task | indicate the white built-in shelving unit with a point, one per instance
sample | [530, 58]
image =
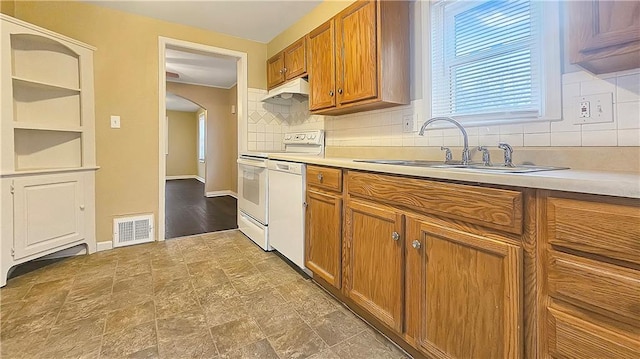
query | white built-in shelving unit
[47, 144]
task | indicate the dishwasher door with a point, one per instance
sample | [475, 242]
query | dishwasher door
[286, 209]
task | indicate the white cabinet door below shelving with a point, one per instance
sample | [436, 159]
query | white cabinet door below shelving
[48, 213]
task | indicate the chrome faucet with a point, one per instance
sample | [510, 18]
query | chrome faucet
[465, 150]
[508, 154]
[486, 156]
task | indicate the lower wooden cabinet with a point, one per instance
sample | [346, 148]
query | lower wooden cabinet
[374, 264]
[323, 240]
[466, 293]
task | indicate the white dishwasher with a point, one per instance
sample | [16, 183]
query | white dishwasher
[286, 209]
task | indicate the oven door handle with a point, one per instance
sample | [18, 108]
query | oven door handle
[252, 163]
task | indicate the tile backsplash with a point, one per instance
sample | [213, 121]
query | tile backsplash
[268, 122]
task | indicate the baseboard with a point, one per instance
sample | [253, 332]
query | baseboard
[222, 193]
[104, 246]
[169, 178]
[200, 179]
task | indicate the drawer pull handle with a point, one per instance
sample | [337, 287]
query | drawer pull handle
[416, 244]
[320, 177]
[395, 236]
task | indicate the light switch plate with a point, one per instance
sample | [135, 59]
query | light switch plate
[115, 121]
[596, 108]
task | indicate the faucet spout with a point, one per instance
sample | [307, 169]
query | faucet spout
[465, 150]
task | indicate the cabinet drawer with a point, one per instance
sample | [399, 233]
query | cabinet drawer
[605, 229]
[597, 285]
[494, 208]
[324, 177]
[571, 337]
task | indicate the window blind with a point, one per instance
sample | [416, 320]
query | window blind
[485, 59]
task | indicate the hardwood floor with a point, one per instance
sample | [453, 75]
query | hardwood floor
[189, 212]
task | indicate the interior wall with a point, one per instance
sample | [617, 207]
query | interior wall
[202, 165]
[321, 13]
[183, 143]
[126, 84]
[7, 7]
[233, 122]
[222, 134]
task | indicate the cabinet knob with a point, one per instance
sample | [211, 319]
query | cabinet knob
[281, 70]
[305, 204]
[331, 93]
[82, 207]
[395, 236]
[285, 69]
[340, 91]
[320, 177]
[416, 244]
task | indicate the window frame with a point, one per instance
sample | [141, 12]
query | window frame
[550, 63]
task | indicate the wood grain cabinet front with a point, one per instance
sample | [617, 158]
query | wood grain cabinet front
[359, 60]
[604, 35]
[374, 262]
[288, 64]
[590, 279]
[323, 240]
[464, 293]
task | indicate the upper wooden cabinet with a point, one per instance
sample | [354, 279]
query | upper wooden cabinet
[287, 64]
[359, 60]
[604, 36]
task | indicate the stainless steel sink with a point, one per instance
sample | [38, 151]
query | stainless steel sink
[470, 167]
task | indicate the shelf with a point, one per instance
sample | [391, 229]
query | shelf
[40, 103]
[47, 171]
[42, 85]
[45, 60]
[37, 149]
[45, 127]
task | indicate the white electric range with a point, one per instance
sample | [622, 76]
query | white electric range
[271, 195]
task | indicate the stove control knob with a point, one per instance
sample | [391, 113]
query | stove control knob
[302, 136]
[287, 137]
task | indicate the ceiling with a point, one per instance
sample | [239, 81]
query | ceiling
[257, 20]
[201, 69]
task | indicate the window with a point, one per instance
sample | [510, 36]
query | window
[201, 137]
[495, 61]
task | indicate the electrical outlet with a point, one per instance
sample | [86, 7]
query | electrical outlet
[596, 108]
[409, 123]
[115, 121]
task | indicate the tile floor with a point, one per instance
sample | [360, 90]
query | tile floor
[210, 296]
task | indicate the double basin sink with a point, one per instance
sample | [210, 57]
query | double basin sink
[472, 166]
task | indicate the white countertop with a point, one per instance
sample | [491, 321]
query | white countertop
[621, 184]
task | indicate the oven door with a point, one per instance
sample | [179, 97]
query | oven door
[252, 188]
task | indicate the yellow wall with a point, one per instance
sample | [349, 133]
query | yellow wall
[222, 134]
[126, 84]
[316, 17]
[7, 7]
[183, 143]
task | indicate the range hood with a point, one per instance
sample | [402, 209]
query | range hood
[282, 95]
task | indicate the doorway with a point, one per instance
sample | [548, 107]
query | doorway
[239, 109]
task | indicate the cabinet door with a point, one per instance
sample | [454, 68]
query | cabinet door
[322, 67]
[295, 59]
[48, 213]
[323, 247]
[357, 53]
[471, 295]
[275, 70]
[374, 261]
[604, 30]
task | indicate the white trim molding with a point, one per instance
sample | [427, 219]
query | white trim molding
[104, 246]
[180, 177]
[222, 193]
[242, 82]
